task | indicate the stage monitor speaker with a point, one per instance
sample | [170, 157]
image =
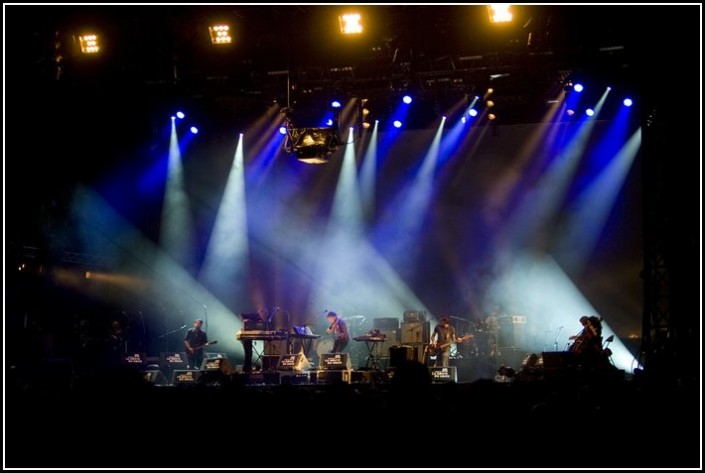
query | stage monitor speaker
[173, 360]
[335, 361]
[217, 364]
[185, 377]
[385, 323]
[292, 362]
[416, 332]
[443, 374]
[155, 377]
[136, 360]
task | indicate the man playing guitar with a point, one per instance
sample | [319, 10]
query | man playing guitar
[442, 338]
[194, 341]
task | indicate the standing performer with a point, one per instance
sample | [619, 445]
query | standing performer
[339, 329]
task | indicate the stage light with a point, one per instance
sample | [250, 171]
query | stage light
[499, 13]
[89, 44]
[397, 124]
[472, 112]
[463, 119]
[194, 130]
[335, 104]
[220, 34]
[329, 122]
[282, 130]
[570, 112]
[578, 87]
[312, 145]
[490, 104]
[407, 99]
[492, 116]
[180, 115]
[350, 23]
[628, 102]
[589, 112]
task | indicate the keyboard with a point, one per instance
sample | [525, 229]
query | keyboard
[261, 335]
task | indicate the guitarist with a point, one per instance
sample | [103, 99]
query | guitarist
[194, 341]
[442, 338]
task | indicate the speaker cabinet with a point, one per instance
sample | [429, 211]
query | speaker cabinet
[415, 332]
[385, 323]
[400, 355]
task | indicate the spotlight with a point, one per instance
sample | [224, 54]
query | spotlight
[350, 23]
[463, 119]
[397, 124]
[89, 44]
[329, 122]
[220, 34]
[628, 102]
[180, 115]
[335, 104]
[578, 87]
[472, 112]
[282, 130]
[570, 112]
[194, 130]
[499, 13]
[491, 116]
[589, 112]
[490, 104]
[407, 99]
[312, 145]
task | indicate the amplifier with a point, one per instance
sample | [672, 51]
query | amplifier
[331, 376]
[335, 361]
[443, 374]
[416, 332]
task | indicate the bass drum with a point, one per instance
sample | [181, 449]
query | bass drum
[323, 347]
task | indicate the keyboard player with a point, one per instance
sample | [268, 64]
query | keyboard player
[255, 321]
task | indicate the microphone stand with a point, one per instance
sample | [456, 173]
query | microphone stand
[555, 343]
[165, 336]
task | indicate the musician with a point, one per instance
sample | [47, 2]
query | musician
[588, 343]
[117, 343]
[194, 341]
[442, 338]
[339, 329]
[247, 345]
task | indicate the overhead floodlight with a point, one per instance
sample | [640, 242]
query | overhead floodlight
[350, 23]
[194, 130]
[628, 102]
[578, 87]
[472, 112]
[589, 112]
[500, 12]
[89, 44]
[397, 124]
[335, 104]
[312, 145]
[180, 115]
[407, 99]
[492, 116]
[220, 34]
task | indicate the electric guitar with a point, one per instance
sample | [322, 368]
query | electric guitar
[435, 349]
[198, 347]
